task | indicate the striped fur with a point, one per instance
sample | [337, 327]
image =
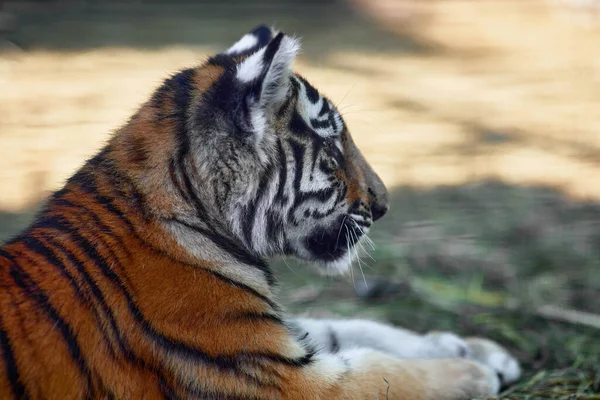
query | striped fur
[145, 276]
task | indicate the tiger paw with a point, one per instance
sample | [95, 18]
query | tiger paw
[447, 345]
[496, 358]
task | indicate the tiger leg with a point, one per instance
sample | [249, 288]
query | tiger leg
[369, 374]
[337, 335]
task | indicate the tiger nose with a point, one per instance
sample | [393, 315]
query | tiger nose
[378, 210]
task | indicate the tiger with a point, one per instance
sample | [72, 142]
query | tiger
[146, 276]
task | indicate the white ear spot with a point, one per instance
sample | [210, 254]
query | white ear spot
[247, 42]
[251, 68]
[274, 85]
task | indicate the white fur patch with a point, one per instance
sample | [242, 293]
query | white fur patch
[327, 368]
[204, 249]
[246, 42]
[310, 111]
[251, 68]
[506, 365]
[259, 122]
[340, 266]
[276, 82]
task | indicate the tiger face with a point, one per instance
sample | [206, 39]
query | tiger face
[265, 159]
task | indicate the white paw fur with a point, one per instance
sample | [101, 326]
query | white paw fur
[447, 345]
[495, 357]
[500, 366]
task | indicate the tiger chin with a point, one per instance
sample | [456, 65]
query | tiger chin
[146, 275]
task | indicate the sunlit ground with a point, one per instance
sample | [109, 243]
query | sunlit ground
[441, 93]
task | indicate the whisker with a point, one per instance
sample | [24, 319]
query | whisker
[367, 238]
[354, 237]
[338, 236]
[290, 268]
[349, 252]
[360, 267]
[347, 92]
[365, 251]
[370, 242]
[361, 245]
[350, 105]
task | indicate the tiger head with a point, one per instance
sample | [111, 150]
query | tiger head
[257, 157]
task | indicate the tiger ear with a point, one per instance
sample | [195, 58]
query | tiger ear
[252, 41]
[265, 74]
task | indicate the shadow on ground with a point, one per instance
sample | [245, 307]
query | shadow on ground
[75, 26]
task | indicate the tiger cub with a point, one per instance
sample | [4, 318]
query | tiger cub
[145, 277]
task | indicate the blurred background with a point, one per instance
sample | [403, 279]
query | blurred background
[482, 117]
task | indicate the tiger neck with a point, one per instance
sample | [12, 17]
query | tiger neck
[112, 208]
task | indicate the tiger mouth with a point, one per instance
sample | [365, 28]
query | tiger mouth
[332, 243]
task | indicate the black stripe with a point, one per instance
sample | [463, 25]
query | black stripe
[262, 34]
[251, 208]
[175, 181]
[324, 108]
[312, 93]
[59, 223]
[298, 127]
[88, 185]
[231, 247]
[292, 95]
[179, 88]
[334, 341]
[258, 316]
[35, 293]
[283, 172]
[169, 344]
[274, 227]
[224, 60]
[98, 226]
[317, 148]
[108, 204]
[242, 286]
[315, 123]
[111, 208]
[333, 123]
[267, 60]
[298, 152]
[10, 364]
[124, 347]
[167, 391]
[191, 193]
[323, 214]
[7, 255]
[321, 195]
[36, 246]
